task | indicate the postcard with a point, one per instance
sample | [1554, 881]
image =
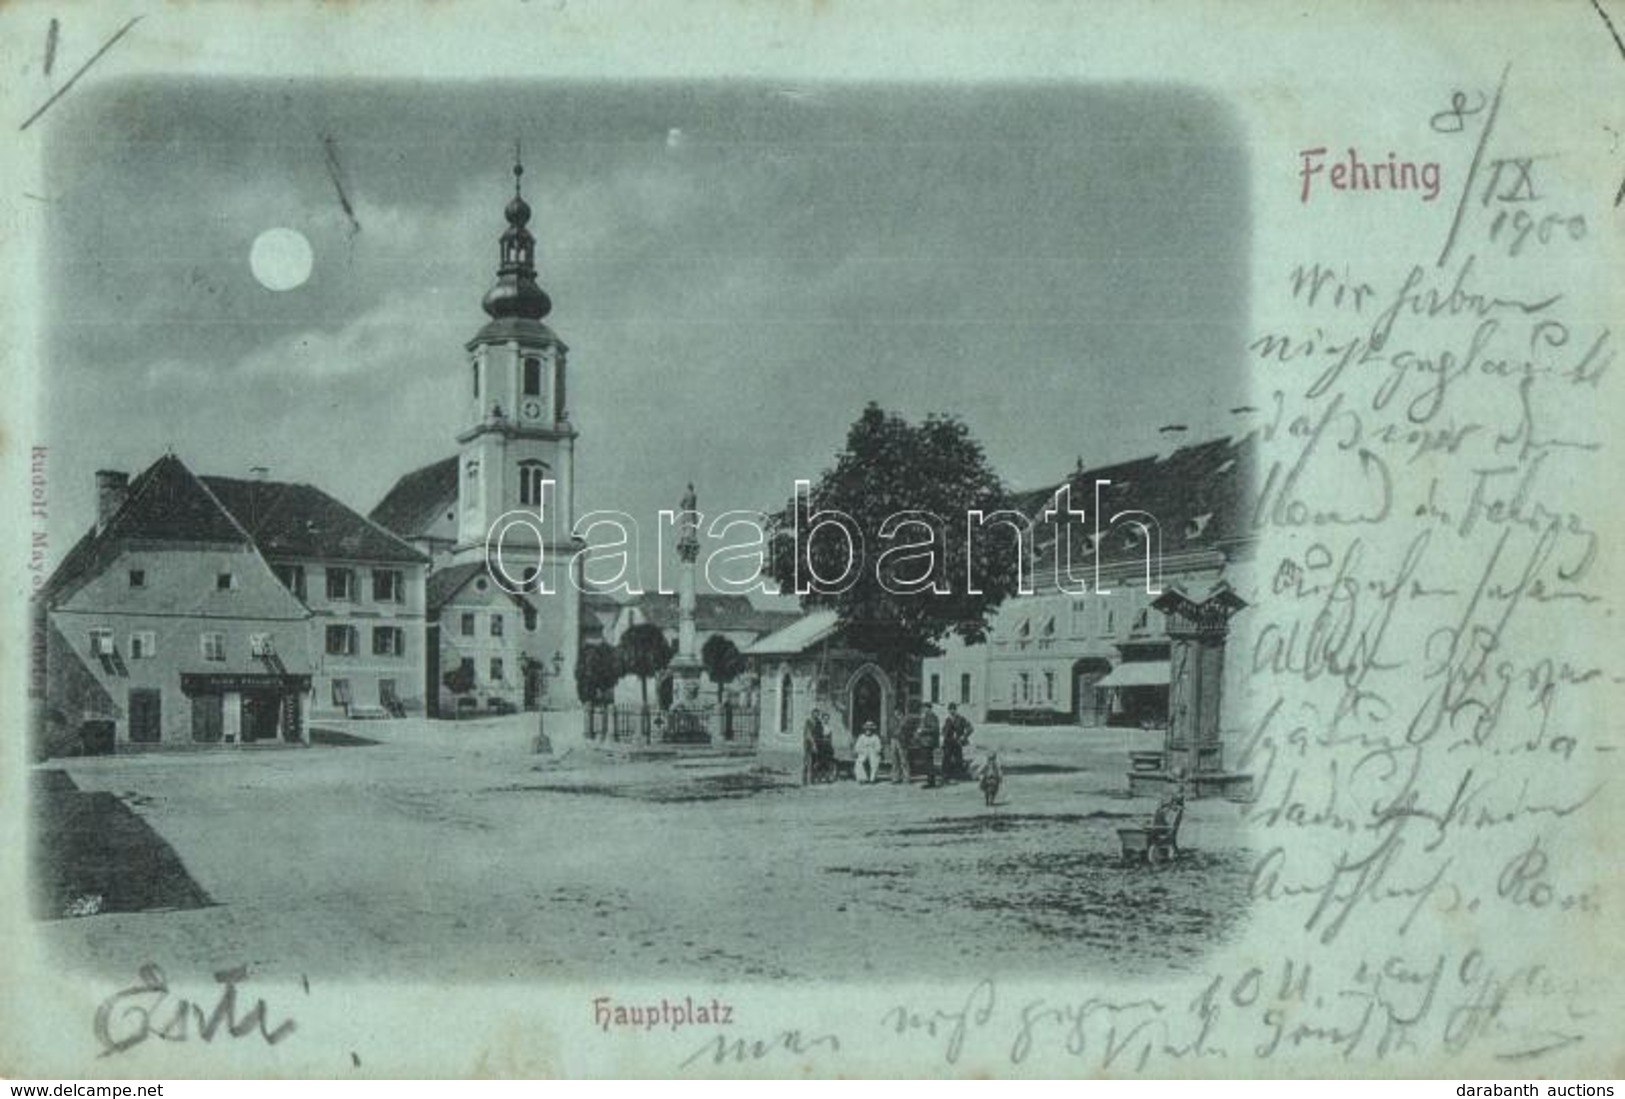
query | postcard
[812, 539]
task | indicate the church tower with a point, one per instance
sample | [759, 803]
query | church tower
[517, 449]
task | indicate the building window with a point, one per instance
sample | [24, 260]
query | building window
[224, 581]
[496, 669]
[101, 642]
[1049, 686]
[341, 692]
[786, 692]
[340, 585]
[292, 577]
[468, 624]
[496, 625]
[1142, 620]
[531, 475]
[936, 688]
[964, 687]
[143, 645]
[1108, 622]
[1080, 617]
[467, 666]
[138, 578]
[388, 641]
[214, 647]
[341, 640]
[260, 644]
[558, 387]
[530, 619]
[387, 586]
[533, 377]
[476, 366]
[1026, 680]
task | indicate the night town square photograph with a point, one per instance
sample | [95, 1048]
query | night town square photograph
[559, 530]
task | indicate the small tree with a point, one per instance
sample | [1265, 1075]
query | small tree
[889, 468]
[644, 652]
[598, 669]
[460, 680]
[723, 661]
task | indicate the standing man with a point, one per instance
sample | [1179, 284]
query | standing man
[956, 732]
[812, 749]
[930, 737]
[902, 739]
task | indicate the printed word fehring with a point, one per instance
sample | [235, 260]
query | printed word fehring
[1356, 174]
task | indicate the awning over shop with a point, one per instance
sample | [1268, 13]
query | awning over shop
[1138, 673]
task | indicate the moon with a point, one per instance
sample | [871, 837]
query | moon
[281, 259]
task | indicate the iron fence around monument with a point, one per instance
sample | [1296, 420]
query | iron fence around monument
[719, 726]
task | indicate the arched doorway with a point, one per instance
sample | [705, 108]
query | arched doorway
[868, 698]
[1089, 706]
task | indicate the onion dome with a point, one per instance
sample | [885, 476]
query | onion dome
[516, 293]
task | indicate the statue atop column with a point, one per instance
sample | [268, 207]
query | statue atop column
[688, 527]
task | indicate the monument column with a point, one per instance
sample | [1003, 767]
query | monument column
[685, 666]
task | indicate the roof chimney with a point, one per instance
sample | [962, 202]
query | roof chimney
[111, 487]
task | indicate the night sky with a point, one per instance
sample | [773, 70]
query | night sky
[736, 268]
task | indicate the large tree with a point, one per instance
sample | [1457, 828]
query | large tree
[723, 661]
[923, 569]
[598, 669]
[644, 652]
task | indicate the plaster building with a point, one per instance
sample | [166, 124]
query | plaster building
[477, 654]
[1103, 659]
[515, 458]
[186, 615]
[806, 665]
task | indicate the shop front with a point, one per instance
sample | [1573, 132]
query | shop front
[246, 707]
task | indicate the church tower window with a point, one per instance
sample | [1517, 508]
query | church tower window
[531, 475]
[476, 367]
[533, 377]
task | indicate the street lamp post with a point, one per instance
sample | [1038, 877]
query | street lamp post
[544, 746]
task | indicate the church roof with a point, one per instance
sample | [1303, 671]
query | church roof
[418, 499]
[299, 520]
[524, 330]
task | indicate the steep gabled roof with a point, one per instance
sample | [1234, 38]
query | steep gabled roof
[298, 520]
[1199, 496]
[418, 499]
[166, 503]
[444, 584]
